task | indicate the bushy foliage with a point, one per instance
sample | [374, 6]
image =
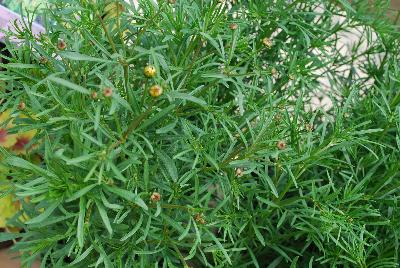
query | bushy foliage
[191, 134]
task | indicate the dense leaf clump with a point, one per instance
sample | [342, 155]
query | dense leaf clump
[200, 133]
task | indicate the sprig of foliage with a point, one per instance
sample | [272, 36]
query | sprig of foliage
[183, 134]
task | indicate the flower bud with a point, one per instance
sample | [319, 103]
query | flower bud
[155, 197]
[239, 172]
[43, 60]
[21, 105]
[267, 42]
[94, 95]
[281, 145]
[199, 218]
[274, 72]
[309, 127]
[233, 26]
[150, 71]
[103, 155]
[107, 92]
[61, 45]
[156, 91]
[278, 118]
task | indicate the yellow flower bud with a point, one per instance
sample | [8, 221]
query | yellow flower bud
[150, 71]
[267, 42]
[156, 91]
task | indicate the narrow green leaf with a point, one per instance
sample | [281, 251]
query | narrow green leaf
[44, 215]
[146, 174]
[20, 66]
[4, 236]
[187, 229]
[259, 235]
[185, 96]
[219, 245]
[122, 101]
[156, 117]
[82, 256]
[134, 230]
[104, 217]
[169, 165]
[97, 117]
[108, 204]
[212, 161]
[106, 259]
[22, 163]
[117, 173]
[81, 192]
[81, 57]
[347, 5]
[127, 195]
[282, 219]
[145, 232]
[270, 183]
[212, 41]
[79, 159]
[166, 128]
[68, 84]
[173, 223]
[294, 262]
[253, 258]
[268, 202]
[81, 222]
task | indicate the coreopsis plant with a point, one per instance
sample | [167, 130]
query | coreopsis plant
[205, 134]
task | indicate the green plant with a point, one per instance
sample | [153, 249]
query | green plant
[225, 162]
